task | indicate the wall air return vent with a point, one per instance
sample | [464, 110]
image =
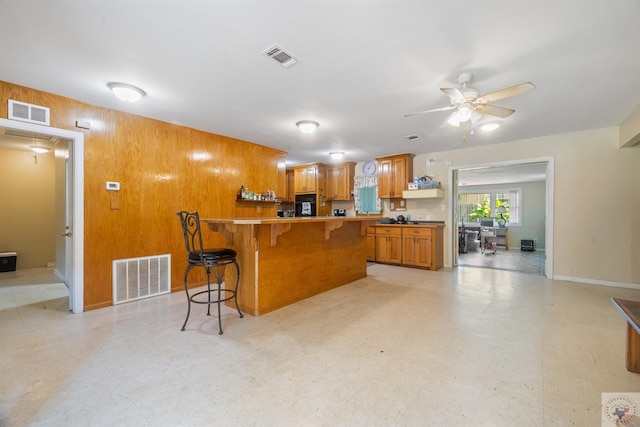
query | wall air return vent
[144, 277]
[278, 54]
[28, 112]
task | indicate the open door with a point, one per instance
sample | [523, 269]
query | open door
[72, 206]
[454, 218]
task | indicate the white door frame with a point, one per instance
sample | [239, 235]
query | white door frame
[75, 272]
[548, 232]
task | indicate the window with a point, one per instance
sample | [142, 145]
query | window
[473, 207]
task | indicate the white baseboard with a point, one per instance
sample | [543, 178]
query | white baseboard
[598, 282]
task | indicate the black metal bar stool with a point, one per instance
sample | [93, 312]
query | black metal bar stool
[215, 260]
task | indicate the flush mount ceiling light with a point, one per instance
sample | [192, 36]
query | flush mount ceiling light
[336, 155]
[490, 126]
[36, 149]
[307, 126]
[39, 150]
[126, 92]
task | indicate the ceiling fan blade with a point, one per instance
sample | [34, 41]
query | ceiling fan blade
[453, 93]
[431, 111]
[506, 93]
[493, 110]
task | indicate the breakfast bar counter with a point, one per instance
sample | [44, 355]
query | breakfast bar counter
[284, 260]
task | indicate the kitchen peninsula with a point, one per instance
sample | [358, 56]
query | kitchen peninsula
[284, 260]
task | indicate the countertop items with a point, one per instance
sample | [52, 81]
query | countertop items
[393, 221]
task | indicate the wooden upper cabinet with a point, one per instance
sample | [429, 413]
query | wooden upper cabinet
[394, 172]
[305, 179]
[291, 191]
[340, 181]
[281, 190]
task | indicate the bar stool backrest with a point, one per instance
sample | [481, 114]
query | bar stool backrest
[192, 235]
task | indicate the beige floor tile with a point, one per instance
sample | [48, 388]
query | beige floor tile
[401, 347]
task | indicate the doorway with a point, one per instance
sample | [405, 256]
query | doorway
[74, 201]
[527, 184]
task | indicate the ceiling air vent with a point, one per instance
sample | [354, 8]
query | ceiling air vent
[28, 112]
[278, 54]
[412, 137]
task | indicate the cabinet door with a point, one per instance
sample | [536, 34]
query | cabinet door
[389, 245]
[305, 179]
[393, 175]
[417, 247]
[332, 183]
[423, 251]
[395, 249]
[408, 250]
[371, 246]
[340, 183]
[291, 191]
[399, 173]
[385, 179]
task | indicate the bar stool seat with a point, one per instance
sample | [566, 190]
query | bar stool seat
[212, 255]
[213, 260]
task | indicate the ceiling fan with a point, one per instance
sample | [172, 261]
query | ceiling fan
[470, 105]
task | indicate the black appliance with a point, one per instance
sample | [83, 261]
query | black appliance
[306, 205]
[339, 212]
[527, 245]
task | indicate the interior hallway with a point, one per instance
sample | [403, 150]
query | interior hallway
[401, 347]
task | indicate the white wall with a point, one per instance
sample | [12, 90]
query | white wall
[596, 199]
[27, 207]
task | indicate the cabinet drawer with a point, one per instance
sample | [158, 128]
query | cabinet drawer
[416, 231]
[388, 231]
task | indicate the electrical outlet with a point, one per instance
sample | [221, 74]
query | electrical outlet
[535, 240]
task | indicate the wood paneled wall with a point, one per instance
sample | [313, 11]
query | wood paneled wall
[162, 168]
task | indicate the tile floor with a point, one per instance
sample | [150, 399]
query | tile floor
[401, 347]
[513, 259]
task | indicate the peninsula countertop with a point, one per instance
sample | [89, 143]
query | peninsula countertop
[292, 220]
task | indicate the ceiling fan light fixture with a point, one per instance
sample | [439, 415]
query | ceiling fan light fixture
[336, 155]
[307, 126]
[454, 119]
[126, 92]
[490, 126]
[464, 112]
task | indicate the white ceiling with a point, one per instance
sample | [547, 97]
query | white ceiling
[362, 65]
[511, 174]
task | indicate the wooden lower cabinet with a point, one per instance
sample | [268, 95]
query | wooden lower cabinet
[416, 247]
[371, 244]
[389, 245]
[411, 246]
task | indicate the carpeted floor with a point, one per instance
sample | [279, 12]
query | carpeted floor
[514, 260]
